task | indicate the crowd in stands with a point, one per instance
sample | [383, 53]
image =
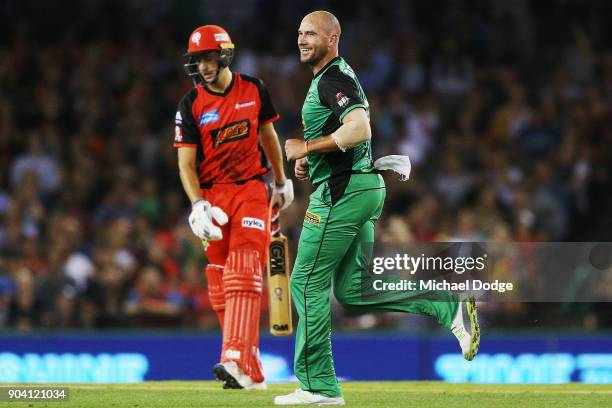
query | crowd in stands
[504, 108]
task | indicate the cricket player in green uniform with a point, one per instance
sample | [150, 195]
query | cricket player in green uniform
[336, 156]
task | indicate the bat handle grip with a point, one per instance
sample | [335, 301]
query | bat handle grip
[275, 221]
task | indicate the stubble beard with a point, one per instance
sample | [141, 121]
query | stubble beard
[315, 59]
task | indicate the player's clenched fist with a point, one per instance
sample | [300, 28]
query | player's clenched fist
[301, 169]
[295, 149]
[200, 220]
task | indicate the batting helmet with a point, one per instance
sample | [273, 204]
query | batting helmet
[205, 39]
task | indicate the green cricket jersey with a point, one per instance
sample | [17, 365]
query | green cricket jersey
[334, 92]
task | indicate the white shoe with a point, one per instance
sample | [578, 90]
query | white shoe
[234, 378]
[301, 397]
[465, 328]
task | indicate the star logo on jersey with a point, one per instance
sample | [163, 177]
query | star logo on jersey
[230, 133]
[342, 99]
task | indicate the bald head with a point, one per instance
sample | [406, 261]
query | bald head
[325, 20]
[318, 38]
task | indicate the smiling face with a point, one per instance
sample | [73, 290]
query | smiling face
[313, 42]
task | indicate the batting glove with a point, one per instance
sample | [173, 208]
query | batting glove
[201, 220]
[282, 195]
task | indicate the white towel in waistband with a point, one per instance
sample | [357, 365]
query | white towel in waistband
[397, 163]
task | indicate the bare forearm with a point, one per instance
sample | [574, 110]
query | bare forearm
[273, 152]
[321, 145]
[190, 182]
[355, 130]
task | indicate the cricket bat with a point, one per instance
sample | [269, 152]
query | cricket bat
[278, 280]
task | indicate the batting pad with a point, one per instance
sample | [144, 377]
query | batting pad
[243, 282]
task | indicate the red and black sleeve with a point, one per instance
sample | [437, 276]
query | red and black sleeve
[339, 92]
[186, 132]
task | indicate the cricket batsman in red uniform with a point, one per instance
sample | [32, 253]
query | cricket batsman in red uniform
[225, 139]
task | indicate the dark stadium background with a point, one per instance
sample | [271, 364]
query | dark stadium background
[505, 108]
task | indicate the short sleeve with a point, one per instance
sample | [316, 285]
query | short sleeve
[339, 92]
[186, 133]
[267, 113]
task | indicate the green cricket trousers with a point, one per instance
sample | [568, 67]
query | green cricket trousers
[330, 249]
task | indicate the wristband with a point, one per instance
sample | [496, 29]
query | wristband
[306, 146]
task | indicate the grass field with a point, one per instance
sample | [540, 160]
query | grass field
[357, 394]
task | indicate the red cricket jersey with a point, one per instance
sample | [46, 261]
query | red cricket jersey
[224, 128]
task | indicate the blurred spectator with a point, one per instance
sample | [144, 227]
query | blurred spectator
[152, 303]
[24, 308]
[102, 304]
[452, 73]
[57, 292]
[454, 182]
[35, 161]
[416, 132]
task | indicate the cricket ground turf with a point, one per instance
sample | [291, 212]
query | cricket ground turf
[357, 394]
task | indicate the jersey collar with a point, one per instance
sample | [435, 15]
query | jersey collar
[327, 66]
[227, 90]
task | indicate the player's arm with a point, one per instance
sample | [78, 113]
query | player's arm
[188, 172]
[340, 93]
[187, 143]
[355, 129]
[272, 150]
[282, 188]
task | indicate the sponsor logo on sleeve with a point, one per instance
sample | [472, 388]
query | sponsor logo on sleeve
[249, 222]
[342, 99]
[312, 218]
[178, 118]
[209, 117]
[230, 133]
[178, 134]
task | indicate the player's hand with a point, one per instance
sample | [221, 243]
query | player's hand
[282, 195]
[201, 220]
[301, 169]
[295, 149]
